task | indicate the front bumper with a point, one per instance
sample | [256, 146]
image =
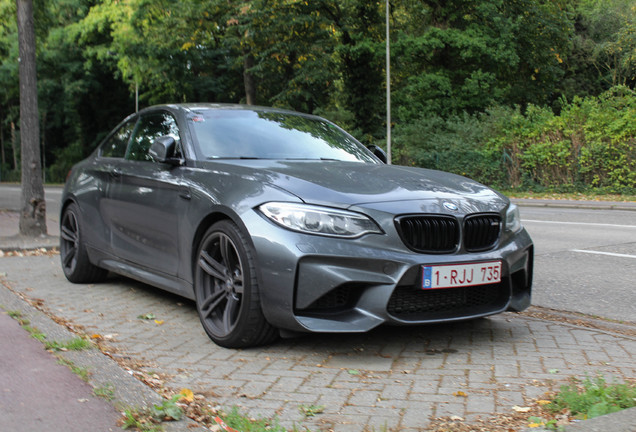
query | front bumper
[320, 284]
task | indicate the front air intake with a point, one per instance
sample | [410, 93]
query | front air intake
[481, 232]
[428, 233]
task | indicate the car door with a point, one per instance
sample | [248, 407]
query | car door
[94, 189]
[145, 200]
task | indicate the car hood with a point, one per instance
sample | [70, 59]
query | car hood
[351, 184]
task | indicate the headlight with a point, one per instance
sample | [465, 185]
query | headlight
[319, 220]
[513, 218]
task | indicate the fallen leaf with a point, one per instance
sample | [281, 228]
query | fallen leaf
[158, 322]
[187, 395]
[460, 394]
[521, 409]
[553, 371]
[147, 316]
[535, 425]
[96, 336]
[544, 402]
[353, 372]
[457, 418]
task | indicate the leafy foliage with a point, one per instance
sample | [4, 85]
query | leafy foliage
[593, 397]
[239, 421]
[508, 91]
[75, 344]
[150, 419]
[591, 144]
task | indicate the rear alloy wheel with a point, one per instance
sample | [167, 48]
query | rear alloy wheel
[226, 289]
[75, 263]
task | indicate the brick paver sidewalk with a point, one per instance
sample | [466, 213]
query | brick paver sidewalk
[394, 377]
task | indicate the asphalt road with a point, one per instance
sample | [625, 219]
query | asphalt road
[585, 260]
[10, 199]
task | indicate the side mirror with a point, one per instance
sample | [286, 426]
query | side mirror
[162, 150]
[378, 152]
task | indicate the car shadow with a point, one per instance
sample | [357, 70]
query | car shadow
[480, 335]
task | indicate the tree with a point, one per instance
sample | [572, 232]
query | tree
[33, 214]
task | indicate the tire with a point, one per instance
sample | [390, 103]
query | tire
[226, 289]
[75, 263]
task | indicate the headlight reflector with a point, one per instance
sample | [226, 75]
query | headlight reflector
[318, 220]
[513, 218]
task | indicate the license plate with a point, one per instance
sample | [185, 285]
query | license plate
[461, 275]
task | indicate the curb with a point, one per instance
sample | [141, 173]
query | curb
[20, 242]
[591, 205]
[128, 392]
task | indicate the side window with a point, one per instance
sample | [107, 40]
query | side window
[115, 146]
[149, 128]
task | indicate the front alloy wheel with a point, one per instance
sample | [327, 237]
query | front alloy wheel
[226, 289]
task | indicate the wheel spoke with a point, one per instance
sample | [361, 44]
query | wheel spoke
[69, 234]
[212, 302]
[229, 315]
[227, 252]
[212, 266]
[68, 258]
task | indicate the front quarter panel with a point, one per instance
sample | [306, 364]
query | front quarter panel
[216, 192]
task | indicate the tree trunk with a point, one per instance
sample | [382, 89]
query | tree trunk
[2, 145]
[248, 79]
[33, 214]
[14, 147]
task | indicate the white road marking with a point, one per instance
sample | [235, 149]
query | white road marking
[579, 223]
[604, 253]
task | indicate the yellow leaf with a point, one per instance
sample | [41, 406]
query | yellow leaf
[534, 425]
[187, 395]
[460, 394]
[96, 336]
[158, 322]
[544, 402]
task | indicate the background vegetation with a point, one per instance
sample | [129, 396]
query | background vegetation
[526, 94]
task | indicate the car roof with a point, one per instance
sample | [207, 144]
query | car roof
[204, 106]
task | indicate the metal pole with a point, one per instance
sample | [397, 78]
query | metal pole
[136, 96]
[388, 88]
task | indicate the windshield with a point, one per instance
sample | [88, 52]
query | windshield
[234, 134]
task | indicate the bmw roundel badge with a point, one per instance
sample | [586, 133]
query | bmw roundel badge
[450, 206]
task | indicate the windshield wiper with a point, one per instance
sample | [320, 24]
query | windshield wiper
[232, 157]
[313, 159]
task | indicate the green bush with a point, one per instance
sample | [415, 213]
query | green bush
[452, 145]
[590, 145]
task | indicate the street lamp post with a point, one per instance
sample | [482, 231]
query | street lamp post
[388, 88]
